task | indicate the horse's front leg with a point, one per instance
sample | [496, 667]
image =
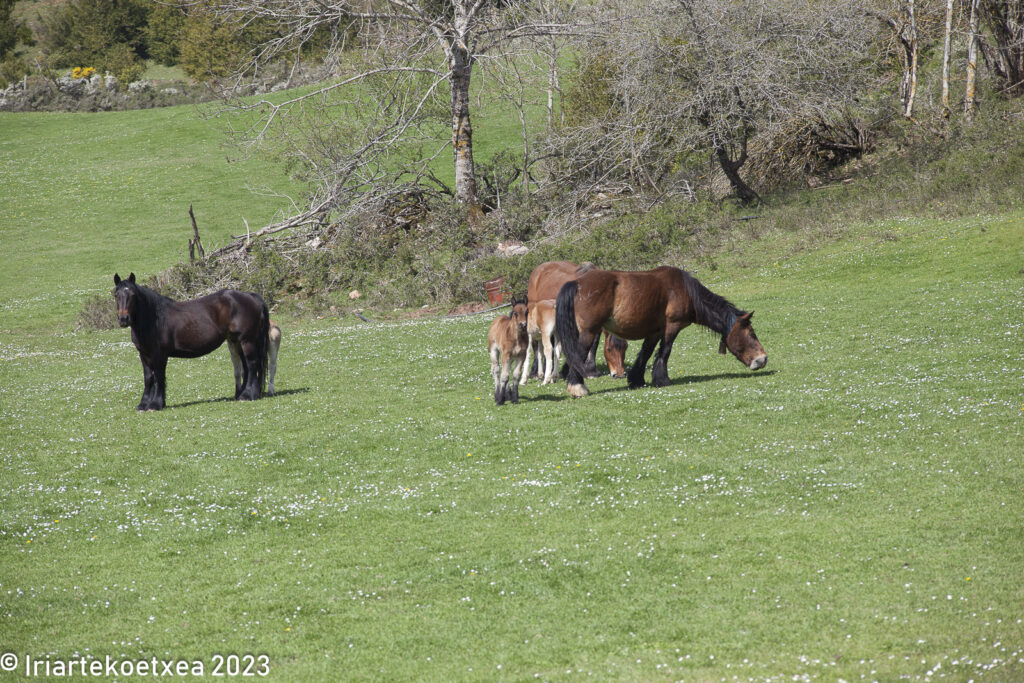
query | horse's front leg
[659, 371]
[504, 388]
[158, 395]
[529, 346]
[516, 372]
[635, 376]
[149, 385]
[499, 396]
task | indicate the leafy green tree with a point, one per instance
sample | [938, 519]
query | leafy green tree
[208, 49]
[105, 34]
[12, 31]
[164, 33]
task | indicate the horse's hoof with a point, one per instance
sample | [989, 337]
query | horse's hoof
[577, 390]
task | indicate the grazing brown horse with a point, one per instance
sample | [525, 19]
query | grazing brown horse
[541, 327]
[545, 282]
[163, 328]
[507, 340]
[652, 305]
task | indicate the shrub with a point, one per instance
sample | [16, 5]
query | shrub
[163, 34]
[107, 34]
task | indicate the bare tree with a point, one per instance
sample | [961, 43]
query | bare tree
[387, 96]
[970, 98]
[690, 78]
[947, 36]
[1005, 18]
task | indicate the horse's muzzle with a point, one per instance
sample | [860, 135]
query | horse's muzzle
[123, 321]
[759, 362]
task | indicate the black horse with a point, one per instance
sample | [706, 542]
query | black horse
[163, 328]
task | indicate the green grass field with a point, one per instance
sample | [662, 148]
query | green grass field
[853, 511]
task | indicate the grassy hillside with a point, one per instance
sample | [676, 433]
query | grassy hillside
[88, 194]
[852, 511]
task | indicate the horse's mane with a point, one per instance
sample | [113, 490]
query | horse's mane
[153, 303]
[711, 310]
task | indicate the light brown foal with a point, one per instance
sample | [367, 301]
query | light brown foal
[507, 341]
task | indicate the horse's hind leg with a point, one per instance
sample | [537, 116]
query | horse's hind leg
[274, 344]
[549, 361]
[574, 380]
[591, 364]
[236, 360]
[251, 385]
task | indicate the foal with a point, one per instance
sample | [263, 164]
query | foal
[507, 340]
[541, 326]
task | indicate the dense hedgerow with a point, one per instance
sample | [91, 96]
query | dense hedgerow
[445, 260]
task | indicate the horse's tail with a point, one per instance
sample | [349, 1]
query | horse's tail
[263, 344]
[565, 326]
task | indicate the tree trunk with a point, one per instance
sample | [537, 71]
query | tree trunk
[908, 109]
[731, 168]
[945, 59]
[462, 130]
[1006, 21]
[972, 62]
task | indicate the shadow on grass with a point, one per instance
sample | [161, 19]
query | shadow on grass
[231, 399]
[679, 381]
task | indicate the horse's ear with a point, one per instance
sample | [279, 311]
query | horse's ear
[721, 346]
[131, 278]
[117, 279]
[747, 316]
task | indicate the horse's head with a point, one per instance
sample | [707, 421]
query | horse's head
[126, 295]
[519, 315]
[742, 342]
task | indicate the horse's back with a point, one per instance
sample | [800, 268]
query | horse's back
[202, 324]
[629, 304]
[547, 278]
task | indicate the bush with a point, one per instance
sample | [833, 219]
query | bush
[163, 34]
[207, 50]
[106, 34]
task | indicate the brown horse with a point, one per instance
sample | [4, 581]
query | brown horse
[652, 305]
[163, 328]
[507, 340]
[545, 282]
[541, 327]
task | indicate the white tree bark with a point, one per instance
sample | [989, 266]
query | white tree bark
[970, 98]
[945, 58]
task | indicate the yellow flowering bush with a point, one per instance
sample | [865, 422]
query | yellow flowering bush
[82, 72]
